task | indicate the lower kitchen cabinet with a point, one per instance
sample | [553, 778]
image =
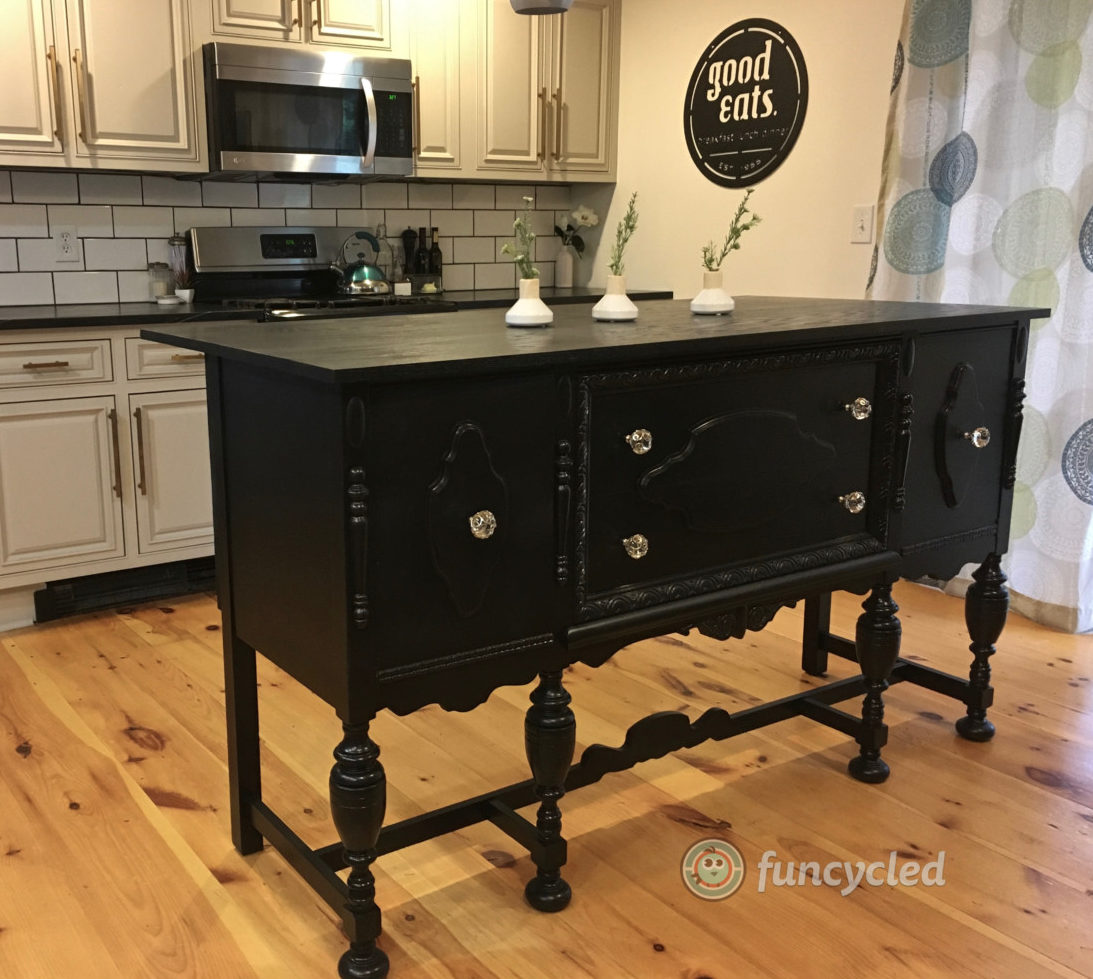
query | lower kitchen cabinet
[60, 489]
[170, 443]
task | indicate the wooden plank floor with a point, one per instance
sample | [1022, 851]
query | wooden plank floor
[115, 857]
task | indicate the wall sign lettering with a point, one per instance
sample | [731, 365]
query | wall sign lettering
[745, 103]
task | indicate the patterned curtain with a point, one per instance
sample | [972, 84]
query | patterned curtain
[987, 197]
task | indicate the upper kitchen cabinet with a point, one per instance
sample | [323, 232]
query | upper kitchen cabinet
[352, 23]
[503, 96]
[111, 85]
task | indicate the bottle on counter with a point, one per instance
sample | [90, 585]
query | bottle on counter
[436, 259]
[385, 258]
[159, 277]
[421, 259]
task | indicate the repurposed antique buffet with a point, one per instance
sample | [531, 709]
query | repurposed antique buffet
[418, 511]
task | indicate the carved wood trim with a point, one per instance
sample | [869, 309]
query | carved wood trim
[357, 494]
[734, 623]
[903, 448]
[961, 538]
[393, 673]
[1015, 417]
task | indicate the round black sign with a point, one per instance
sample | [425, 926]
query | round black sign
[745, 103]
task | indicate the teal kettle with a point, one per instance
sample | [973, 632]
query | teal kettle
[360, 278]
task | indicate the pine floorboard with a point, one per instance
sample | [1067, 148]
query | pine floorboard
[116, 858]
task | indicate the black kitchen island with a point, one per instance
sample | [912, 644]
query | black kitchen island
[437, 506]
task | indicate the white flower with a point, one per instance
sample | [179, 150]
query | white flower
[585, 217]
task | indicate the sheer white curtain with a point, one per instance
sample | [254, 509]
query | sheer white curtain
[987, 197]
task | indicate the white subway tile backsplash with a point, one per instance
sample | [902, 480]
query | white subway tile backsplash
[110, 188]
[399, 219]
[158, 250]
[494, 222]
[495, 276]
[336, 195]
[546, 273]
[547, 248]
[169, 192]
[144, 222]
[216, 193]
[26, 289]
[472, 250]
[554, 197]
[471, 196]
[384, 195]
[284, 195]
[430, 195]
[85, 287]
[311, 216]
[134, 287]
[5, 187]
[23, 220]
[512, 195]
[9, 255]
[44, 187]
[40, 255]
[362, 218]
[202, 217]
[452, 223]
[542, 222]
[89, 220]
[115, 253]
[458, 277]
[258, 216]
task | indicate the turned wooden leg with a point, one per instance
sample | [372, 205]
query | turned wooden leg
[358, 798]
[985, 608]
[877, 642]
[244, 767]
[550, 734]
[816, 629]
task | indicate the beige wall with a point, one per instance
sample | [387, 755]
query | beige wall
[803, 245]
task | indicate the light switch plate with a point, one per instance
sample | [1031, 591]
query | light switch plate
[861, 227]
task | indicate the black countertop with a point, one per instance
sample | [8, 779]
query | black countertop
[473, 342]
[128, 314]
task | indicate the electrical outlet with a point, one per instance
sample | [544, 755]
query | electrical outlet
[861, 226]
[66, 245]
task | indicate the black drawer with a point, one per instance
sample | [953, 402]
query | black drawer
[749, 459]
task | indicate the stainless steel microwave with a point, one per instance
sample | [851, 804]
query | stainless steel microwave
[271, 110]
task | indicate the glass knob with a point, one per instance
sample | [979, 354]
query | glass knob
[980, 437]
[640, 440]
[483, 524]
[637, 546]
[859, 409]
[854, 502]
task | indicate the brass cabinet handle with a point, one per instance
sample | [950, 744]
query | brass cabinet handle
[113, 416]
[483, 524]
[541, 155]
[81, 95]
[640, 441]
[186, 358]
[296, 19]
[980, 437]
[859, 409]
[416, 126]
[557, 99]
[140, 453]
[316, 14]
[637, 546]
[42, 365]
[853, 502]
[55, 88]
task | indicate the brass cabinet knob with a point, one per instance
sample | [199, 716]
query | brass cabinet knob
[980, 438]
[640, 441]
[637, 546]
[483, 524]
[854, 502]
[859, 409]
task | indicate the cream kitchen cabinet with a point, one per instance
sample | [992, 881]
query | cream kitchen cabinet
[99, 84]
[509, 97]
[104, 458]
[353, 23]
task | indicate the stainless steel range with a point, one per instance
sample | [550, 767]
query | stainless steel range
[289, 274]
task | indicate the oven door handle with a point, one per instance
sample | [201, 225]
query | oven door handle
[369, 157]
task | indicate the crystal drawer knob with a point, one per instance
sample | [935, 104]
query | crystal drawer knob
[980, 438]
[859, 409]
[483, 524]
[640, 441]
[637, 546]
[854, 502]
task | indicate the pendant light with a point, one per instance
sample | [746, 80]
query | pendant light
[541, 6]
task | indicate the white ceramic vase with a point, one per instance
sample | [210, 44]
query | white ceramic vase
[713, 299]
[529, 309]
[615, 306]
[186, 295]
[563, 268]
